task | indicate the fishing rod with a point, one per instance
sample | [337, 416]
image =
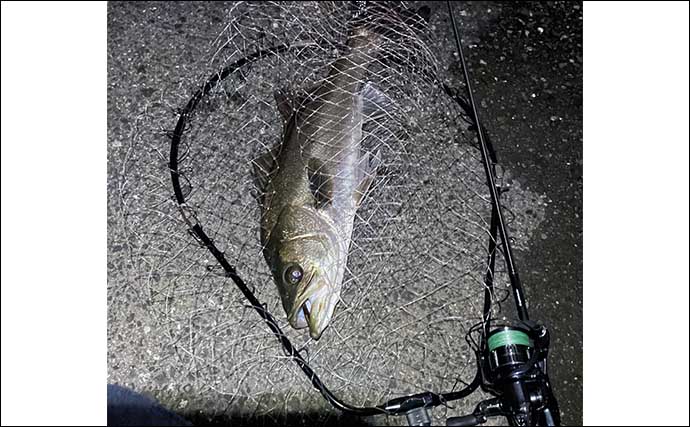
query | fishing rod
[515, 283]
[513, 357]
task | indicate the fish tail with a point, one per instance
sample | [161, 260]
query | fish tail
[374, 23]
[364, 38]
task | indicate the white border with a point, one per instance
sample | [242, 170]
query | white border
[636, 213]
[53, 213]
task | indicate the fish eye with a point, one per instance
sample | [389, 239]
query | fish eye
[293, 274]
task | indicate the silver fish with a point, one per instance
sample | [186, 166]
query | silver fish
[313, 183]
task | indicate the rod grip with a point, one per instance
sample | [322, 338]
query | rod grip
[466, 420]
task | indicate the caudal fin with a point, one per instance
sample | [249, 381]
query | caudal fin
[388, 20]
[388, 31]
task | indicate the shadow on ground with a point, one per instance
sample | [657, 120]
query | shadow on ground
[292, 419]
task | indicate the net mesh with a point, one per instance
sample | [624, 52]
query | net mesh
[413, 286]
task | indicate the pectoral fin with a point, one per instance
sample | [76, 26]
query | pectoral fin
[375, 104]
[367, 172]
[320, 183]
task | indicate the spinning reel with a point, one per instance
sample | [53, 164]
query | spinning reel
[514, 369]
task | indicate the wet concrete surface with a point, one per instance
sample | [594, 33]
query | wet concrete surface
[526, 62]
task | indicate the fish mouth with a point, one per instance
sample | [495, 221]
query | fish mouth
[313, 310]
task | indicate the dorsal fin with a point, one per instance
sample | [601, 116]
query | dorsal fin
[284, 103]
[263, 167]
[289, 101]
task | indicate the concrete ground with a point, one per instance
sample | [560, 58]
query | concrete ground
[175, 334]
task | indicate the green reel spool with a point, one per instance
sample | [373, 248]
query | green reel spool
[506, 337]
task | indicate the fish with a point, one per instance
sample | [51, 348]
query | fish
[312, 183]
